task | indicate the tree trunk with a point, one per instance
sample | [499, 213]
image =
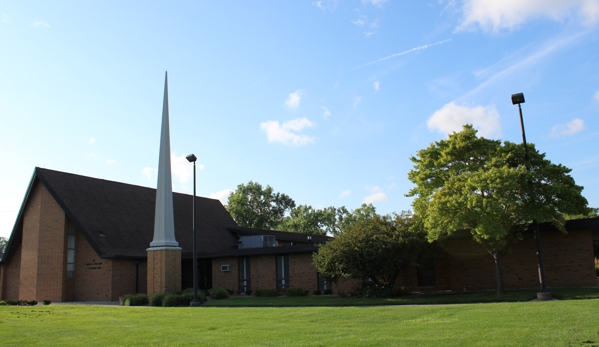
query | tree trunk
[498, 272]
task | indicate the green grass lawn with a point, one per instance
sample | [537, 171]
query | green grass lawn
[414, 299]
[553, 323]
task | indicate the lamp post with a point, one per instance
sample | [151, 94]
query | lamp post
[194, 302]
[518, 99]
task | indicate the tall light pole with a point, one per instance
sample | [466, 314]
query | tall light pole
[518, 99]
[194, 302]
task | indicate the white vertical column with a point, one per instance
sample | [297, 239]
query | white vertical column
[164, 222]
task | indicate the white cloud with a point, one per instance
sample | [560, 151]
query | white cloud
[5, 18]
[222, 195]
[293, 101]
[286, 133]
[110, 161]
[149, 173]
[182, 169]
[452, 117]
[345, 193]
[357, 100]
[325, 112]
[376, 197]
[359, 22]
[415, 49]
[376, 85]
[378, 3]
[325, 4]
[44, 24]
[596, 96]
[91, 140]
[494, 15]
[575, 126]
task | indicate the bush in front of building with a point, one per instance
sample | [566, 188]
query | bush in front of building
[297, 291]
[317, 292]
[134, 300]
[328, 292]
[156, 299]
[47, 302]
[3, 303]
[265, 292]
[219, 293]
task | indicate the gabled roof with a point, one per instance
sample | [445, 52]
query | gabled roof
[117, 219]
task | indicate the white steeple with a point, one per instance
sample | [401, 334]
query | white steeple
[164, 221]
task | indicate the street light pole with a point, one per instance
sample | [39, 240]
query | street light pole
[194, 302]
[543, 293]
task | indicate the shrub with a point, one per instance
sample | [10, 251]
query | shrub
[157, 299]
[297, 291]
[189, 292]
[12, 302]
[174, 300]
[342, 294]
[134, 300]
[265, 292]
[3, 303]
[317, 292]
[219, 293]
[47, 302]
[31, 302]
[401, 291]
[328, 291]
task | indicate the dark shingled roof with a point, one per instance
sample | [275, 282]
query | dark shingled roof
[117, 220]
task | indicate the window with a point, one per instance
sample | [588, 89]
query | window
[282, 272]
[244, 275]
[426, 275]
[323, 284]
[71, 251]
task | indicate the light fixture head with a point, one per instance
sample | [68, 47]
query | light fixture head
[191, 158]
[517, 98]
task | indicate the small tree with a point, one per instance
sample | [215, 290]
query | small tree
[486, 187]
[379, 248]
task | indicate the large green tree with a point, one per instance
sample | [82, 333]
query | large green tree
[379, 247]
[253, 206]
[327, 221]
[485, 186]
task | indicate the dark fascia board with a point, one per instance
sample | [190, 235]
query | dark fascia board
[123, 256]
[16, 236]
[254, 251]
[71, 216]
[280, 235]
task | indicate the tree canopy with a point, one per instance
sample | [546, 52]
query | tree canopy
[485, 186]
[379, 248]
[252, 206]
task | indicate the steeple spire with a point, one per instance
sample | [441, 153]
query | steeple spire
[164, 222]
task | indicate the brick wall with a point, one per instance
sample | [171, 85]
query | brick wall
[124, 277]
[163, 271]
[301, 272]
[10, 277]
[227, 279]
[43, 267]
[263, 272]
[92, 280]
[568, 261]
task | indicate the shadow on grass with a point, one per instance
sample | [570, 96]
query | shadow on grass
[413, 299]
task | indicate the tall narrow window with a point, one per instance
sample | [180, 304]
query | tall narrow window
[426, 275]
[71, 252]
[244, 275]
[282, 272]
[323, 284]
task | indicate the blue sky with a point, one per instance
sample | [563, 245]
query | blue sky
[323, 100]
